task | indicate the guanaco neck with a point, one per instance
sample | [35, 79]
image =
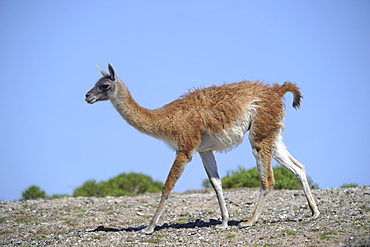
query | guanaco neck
[135, 115]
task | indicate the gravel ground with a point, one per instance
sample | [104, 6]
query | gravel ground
[189, 219]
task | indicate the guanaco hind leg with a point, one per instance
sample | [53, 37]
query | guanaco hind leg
[286, 160]
[263, 159]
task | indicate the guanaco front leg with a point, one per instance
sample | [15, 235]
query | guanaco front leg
[210, 165]
[182, 158]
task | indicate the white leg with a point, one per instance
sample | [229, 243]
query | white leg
[210, 165]
[286, 160]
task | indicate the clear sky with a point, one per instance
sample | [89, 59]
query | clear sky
[50, 137]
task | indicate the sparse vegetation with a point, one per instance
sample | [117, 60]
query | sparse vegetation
[364, 207]
[322, 237]
[125, 184]
[94, 221]
[242, 177]
[56, 196]
[33, 192]
[122, 185]
[349, 185]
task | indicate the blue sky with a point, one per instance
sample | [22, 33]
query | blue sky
[51, 138]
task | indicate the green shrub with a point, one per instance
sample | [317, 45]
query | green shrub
[242, 177]
[90, 188]
[349, 185]
[285, 179]
[312, 184]
[57, 196]
[131, 184]
[33, 192]
[122, 185]
[206, 184]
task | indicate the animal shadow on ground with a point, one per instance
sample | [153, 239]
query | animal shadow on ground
[197, 223]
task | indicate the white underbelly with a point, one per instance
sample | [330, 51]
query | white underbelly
[223, 141]
[228, 139]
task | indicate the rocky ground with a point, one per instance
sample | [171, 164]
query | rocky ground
[189, 220]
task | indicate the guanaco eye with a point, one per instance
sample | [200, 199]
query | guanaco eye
[104, 87]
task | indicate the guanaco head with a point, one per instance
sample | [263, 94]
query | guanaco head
[105, 88]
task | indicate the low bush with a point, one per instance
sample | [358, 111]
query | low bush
[33, 192]
[242, 177]
[125, 184]
[349, 185]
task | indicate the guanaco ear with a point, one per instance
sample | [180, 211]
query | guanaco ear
[105, 74]
[112, 72]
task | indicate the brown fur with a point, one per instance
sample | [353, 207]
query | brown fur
[211, 109]
[205, 113]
